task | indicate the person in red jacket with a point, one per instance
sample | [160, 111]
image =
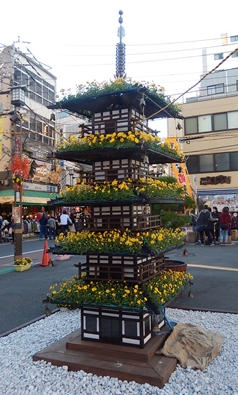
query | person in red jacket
[225, 223]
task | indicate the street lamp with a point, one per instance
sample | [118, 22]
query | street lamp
[18, 100]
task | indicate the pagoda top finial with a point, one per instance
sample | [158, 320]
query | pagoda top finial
[121, 30]
[120, 51]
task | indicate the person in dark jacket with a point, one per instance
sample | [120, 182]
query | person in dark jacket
[203, 224]
[214, 226]
[0, 229]
[234, 221]
[225, 223]
[43, 228]
[11, 229]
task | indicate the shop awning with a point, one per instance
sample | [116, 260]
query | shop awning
[217, 191]
[29, 198]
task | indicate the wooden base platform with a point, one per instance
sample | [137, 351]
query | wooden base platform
[129, 363]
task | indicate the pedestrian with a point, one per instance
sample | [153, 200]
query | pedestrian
[225, 223]
[65, 221]
[73, 220]
[43, 228]
[215, 226]
[5, 226]
[11, 229]
[0, 229]
[234, 221]
[203, 225]
[52, 227]
[79, 223]
[193, 222]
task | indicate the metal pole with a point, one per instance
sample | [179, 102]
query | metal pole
[18, 212]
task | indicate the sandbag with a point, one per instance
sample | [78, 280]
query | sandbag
[192, 345]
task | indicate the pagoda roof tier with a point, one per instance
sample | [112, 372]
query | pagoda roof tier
[138, 200]
[89, 156]
[88, 105]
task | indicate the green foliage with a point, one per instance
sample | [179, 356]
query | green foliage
[120, 190]
[170, 219]
[161, 289]
[168, 179]
[118, 85]
[189, 203]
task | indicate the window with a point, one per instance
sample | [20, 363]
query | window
[215, 89]
[222, 162]
[232, 119]
[233, 39]
[233, 160]
[235, 55]
[210, 123]
[193, 164]
[218, 56]
[40, 90]
[206, 163]
[191, 126]
[220, 122]
[20, 77]
[204, 123]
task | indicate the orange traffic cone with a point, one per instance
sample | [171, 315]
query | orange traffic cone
[46, 255]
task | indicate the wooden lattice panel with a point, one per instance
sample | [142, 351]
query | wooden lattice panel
[120, 268]
[135, 217]
[120, 169]
[111, 121]
[116, 326]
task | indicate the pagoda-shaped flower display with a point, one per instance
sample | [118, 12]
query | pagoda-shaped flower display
[124, 243]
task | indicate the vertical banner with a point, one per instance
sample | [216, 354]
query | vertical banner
[17, 215]
[2, 123]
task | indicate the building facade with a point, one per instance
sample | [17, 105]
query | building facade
[31, 119]
[209, 138]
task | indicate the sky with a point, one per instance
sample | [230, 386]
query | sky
[77, 38]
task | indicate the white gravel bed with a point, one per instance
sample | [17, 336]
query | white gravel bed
[21, 376]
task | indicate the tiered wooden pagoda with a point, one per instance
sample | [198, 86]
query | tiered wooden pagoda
[112, 327]
[118, 341]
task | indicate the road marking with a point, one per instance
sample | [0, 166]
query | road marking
[229, 269]
[24, 253]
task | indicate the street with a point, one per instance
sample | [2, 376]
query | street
[215, 284]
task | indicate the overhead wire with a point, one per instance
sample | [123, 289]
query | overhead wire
[193, 86]
[213, 149]
[128, 45]
[142, 53]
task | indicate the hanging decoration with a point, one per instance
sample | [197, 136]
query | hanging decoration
[20, 168]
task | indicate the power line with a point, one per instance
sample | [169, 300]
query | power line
[201, 79]
[135, 62]
[145, 53]
[54, 44]
[213, 149]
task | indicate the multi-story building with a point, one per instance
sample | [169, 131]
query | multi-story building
[219, 50]
[69, 125]
[31, 118]
[209, 136]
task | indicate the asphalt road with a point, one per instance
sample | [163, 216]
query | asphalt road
[215, 284]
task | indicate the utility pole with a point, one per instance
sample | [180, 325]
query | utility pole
[18, 99]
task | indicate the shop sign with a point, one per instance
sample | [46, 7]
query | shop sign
[41, 188]
[37, 152]
[215, 180]
[220, 200]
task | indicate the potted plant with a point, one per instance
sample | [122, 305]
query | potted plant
[23, 264]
